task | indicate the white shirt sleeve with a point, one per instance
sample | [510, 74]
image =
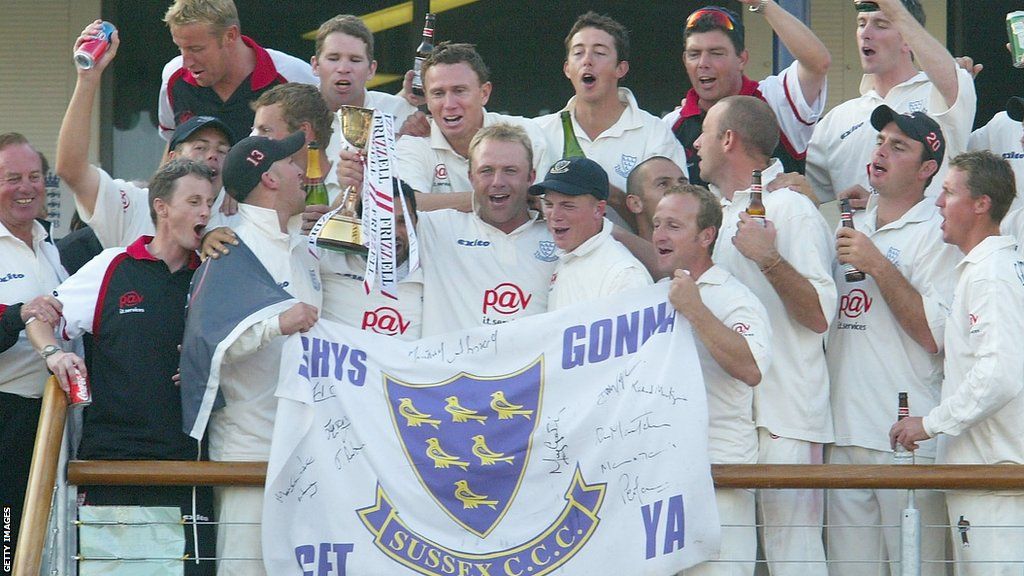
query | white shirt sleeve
[935, 281]
[995, 376]
[121, 214]
[413, 160]
[165, 114]
[805, 241]
[79, 294]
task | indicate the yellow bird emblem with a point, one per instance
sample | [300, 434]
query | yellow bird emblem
[471, 499]
[505, 409]
[486, 455]
[441, 458]
[460, 414]
[414, 417]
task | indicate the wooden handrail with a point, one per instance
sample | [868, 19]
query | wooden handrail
[42, 476]
[166, 473]
[835, 476]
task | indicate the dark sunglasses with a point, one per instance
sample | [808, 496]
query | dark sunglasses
[717, 15]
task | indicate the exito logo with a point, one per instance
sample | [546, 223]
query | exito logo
[855, 303]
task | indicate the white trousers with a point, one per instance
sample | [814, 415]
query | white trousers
[791, 520]
[739, 539]
[236, 541]
[857, 543]
[996, 533]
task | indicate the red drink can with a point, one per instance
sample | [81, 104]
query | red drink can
[78, 390]
[91, 51]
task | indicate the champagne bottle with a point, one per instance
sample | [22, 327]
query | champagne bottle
[570, 145]
[316, 191]
[422, 51]
[901, 455]
[756, 207]
[846, 216]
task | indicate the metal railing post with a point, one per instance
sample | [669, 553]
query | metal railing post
[910, 539]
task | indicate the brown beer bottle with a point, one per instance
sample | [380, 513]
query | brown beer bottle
[756, 207]
[901, 455]
[846, 216]
[422, 51]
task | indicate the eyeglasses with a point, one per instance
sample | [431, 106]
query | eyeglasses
[717, 15]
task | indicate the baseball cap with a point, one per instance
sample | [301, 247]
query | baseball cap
[1015, 108]
[251, 157]
[917, 125]
[574, 177]
[186, 129]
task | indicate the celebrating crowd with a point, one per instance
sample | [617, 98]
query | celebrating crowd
[802, 361]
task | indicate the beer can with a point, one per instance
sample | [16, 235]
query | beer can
[78, 390]
[92, 50]
[1015, 31]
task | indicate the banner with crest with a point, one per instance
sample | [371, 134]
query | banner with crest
[573, 442]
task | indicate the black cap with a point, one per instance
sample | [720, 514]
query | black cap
[574, 177]
[186, 129]
[1015, 108]
[917, 125]
[251, 157]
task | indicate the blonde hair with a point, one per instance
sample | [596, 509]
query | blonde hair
[502, 132]
[219, 14]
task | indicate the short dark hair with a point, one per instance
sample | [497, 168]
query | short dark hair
[707, 23]
[753, 120]
[300, 103]
[165, 180]
[710, 213]
[633, 180]
[614, 29]
[456, 53]
[345, 24]
[988, 175]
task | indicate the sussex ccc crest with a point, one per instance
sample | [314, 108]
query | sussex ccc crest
[468, 440]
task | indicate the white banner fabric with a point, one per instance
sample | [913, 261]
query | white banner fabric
[573, 442]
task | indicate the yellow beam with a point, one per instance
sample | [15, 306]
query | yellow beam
[398, 15]
[382, 79]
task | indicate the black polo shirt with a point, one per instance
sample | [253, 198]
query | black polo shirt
[134, 307]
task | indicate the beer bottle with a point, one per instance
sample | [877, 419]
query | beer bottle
[846, 216]
[901, 455]
[570, 145]
[316, 191]
[422, 51]
[756, 207]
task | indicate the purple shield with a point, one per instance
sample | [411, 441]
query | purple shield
[469, 438]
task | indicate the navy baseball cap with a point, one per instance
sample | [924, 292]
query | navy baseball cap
[1015, 108]
[917, 125]
[251, 157]
[574, 177]
[186, 129]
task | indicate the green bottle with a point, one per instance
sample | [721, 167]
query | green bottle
[571, 146]
[316, 191]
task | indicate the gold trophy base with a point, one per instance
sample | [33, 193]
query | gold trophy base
[342, 234]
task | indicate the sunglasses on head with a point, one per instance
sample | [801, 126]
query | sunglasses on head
[717, 15]
[866, 6]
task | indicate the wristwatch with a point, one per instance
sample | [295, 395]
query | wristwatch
[49, 350]
[760, 6]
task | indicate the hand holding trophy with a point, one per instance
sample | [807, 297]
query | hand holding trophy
[343, 232]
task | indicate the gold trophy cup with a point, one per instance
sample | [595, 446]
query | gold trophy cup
[343, 232]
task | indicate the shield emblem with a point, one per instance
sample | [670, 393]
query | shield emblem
[468, 439]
